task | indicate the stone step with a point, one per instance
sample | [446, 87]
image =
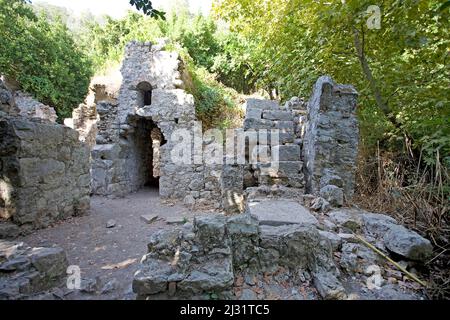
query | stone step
[277, 115]
[261, 104]
[281, 169]
[281, 212]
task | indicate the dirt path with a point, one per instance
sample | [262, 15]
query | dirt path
[110, 255]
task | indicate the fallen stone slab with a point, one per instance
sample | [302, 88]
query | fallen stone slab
[396, 238]
[376, 224]
[175, 220]
[281, 212]
[346, 219]
[215, 275]
[149, 218]
[333, 194]
[333, 238]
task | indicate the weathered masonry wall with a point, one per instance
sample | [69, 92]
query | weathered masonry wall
[269, 115]
[44, 173]
[136, 118]
[331, 138]
[133, 140]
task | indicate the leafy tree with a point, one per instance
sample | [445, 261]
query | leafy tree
[147, 7]
[400, 70]
[42, 56]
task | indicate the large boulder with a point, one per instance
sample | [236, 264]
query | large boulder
[26, 271]
[396, 238]
[408, 243]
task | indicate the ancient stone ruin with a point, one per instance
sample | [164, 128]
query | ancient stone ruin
[331, 140]
[44, 172]
[277, 213]
[134, 127]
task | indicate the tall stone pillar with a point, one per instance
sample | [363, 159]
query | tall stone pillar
[331, 138]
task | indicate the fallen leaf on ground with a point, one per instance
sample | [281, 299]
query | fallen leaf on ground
[119, 265]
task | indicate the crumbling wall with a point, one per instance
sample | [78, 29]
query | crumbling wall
[196, 261]
[15, 102]
[7, 103]
[44, 172]
[269, 115]
[32, 108]
[320, 140]
[331, 139]
[151, 92]
[26, 272]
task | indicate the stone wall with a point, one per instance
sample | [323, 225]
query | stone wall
[203, 258]
[15, 102]
[7, 103]
[44, 172]
[32, 108]
[26, 272]
[279, 243]
[269, 115]
[331, 139]
[318, 140]
[134, 139]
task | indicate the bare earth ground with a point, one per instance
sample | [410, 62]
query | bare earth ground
[110, 255]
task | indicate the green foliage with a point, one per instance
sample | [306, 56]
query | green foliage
[147, 8]
[200, 41]
[105, 43]
[226, 54]
[408, 59]
[44, 59]
[215, 104]
[234, 63]
[196, 39]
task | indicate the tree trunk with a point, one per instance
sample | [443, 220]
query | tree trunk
[368, 74]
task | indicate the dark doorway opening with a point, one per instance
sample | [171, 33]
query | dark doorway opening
[144, 94]
[148, 142]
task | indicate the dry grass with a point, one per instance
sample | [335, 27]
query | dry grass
[417, 196]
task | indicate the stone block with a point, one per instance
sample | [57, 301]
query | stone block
[333, 194]
[252, 113]
[256, 124]
[286, 153]
[261, 104]
[277, 115]
[281, 212]
[106, 151]
[149, 218]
